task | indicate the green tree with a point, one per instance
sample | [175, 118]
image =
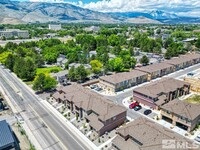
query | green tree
[144, 60]
[116, 64]
[38, 83]
[81, 73]
[71, 74]
[96, 66]
[44, 83]
[197, 44]
[29, 70]
[9, 63]
[49, 83]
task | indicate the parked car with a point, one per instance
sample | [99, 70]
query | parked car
[190, 74]
[98, 89]
[136, 108]
[147, 112]
[197, 139]
[131, 106]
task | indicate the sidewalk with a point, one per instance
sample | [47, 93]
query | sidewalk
[68, 124]
[29, 134]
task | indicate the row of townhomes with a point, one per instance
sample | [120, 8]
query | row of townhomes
[158, 93]
[120, 81]
[139, 75]
[143, 134]
[102, 114]
[181, 113]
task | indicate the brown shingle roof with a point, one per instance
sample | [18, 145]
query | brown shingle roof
[182, 108]
[147, 133]
[88, 100]
[154, 67]
[120, 77]
[182, 59]
[94, 121]
[164, 85]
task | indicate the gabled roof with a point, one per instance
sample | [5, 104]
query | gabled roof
[125, 76]
[148, 134]
[182, 108]
[164, 85]
[88, 100]
[154, 67]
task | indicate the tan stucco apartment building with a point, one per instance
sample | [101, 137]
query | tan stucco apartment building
[102, 114]
[143, 134]
[120, 81]
[184, 61]
[157, 70]
[158, 93]
[182, 114]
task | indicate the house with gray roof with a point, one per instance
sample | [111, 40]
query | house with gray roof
[158, 93]
[182, 114]
[8, 140]
[144, 134]
[102, 114]
[62, 60]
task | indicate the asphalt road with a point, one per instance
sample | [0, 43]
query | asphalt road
[56, 135]
[3, 43]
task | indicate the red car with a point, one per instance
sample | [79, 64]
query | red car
[131, 106]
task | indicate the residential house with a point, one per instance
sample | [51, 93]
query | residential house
[143, 134]
[156, 70]
[102, 114]
[92, 53]
[62, 60]
[158, 93]
[76, 65]
[182, 114]
[8, 139]
[60, 76]
[120, 81]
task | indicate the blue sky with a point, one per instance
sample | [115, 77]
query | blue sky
[180, 7]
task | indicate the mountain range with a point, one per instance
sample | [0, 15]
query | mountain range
[30, 12]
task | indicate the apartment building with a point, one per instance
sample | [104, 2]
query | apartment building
[182, 114]
[157, 70]
[102, 114]
[16, 33]
[158, 93]
[55, 27]
[143, 134]
[120, 81]
[184, 61]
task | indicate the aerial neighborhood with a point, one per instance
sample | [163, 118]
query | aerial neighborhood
[116, 81]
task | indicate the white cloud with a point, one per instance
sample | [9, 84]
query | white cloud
[183, 7]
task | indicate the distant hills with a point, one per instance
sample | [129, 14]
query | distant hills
[160, 16]
[29, 12]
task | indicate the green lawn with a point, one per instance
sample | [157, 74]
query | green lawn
[193, 99]
[48, 70]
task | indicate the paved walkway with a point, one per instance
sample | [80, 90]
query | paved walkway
[79, 134]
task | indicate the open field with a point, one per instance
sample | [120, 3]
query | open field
[48, 70]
